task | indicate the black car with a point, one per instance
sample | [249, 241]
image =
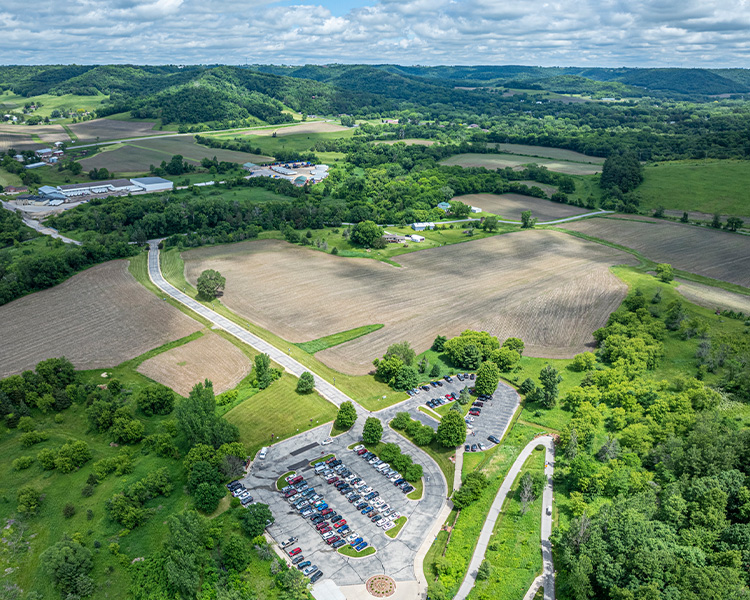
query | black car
[433, 383]
[399, 482]
[354, 499]
[317, 519]
[471, 376]
[337, 518]
[493, 439]
[361, 505]
[331, 516]
[448, 378]
[474, 448]
[298, 559]
[426, 388]
[234, 485]
[407, 488]
[317, 575]
[345, 490]
[376, 518]
[440, 383]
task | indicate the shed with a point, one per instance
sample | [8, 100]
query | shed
[416, 238]
[422, 226]
[248, 166]
[35, 165]
[476, 209]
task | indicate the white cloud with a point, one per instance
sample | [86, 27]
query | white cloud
[543, 32]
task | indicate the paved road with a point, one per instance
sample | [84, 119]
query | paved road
[493, 515]
[36, 225]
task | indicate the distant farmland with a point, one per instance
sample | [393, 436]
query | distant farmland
[713, 298]
[510, 206]
[112, 129]
[98, 318]
[700, 250]
[549, 289]
[547, 152]
[515, 161]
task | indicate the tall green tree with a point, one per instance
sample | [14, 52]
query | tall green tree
[210, 283]
[550, 380]
[372, 431]
[69, 564]
[488, 376]
[452, 430]
[346, 416]
[366, 233]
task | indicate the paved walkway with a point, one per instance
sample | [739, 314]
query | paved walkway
[459, 467]
[492, 517]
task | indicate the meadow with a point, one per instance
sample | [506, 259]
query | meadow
[552, 291]
[548, 152]
[705, 186]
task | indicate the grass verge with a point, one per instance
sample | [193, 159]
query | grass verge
[394, 531]
[430, 413]
[322, 459]
[347, 550]
[281, 481]
[416, 493]
[335, 339]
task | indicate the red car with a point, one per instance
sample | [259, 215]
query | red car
[361, 451]
[295, 552]
[330, 460]
[333, 538]
[332, 480]
[340, 523]
[325, 530]
[320, 525]
[296, 480]
[474, 413]
[326, 511]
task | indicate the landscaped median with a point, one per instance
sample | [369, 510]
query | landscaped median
[281, 483]
[399, 525]
[348, 550]
[322, 459]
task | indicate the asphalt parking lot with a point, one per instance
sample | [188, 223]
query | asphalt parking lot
[393, 557]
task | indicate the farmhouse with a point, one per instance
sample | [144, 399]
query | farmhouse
[422, 226]
[152, 184]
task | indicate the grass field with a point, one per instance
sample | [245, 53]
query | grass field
[98, 318]
[6, 178]
[514, 551]
[208, 357]
[510, 206]
[548, 152]
[330, 341]
[712, 297]
[399, 525]
[554, 292]
[50, 102]
[407, 141]
[700, 250]
[501, 161]
[705, 186]
[281, 411]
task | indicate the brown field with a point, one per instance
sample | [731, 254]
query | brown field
[713, 298]
[547, 189]
[408, 142]
[110, 129]
[547, 152]
[18, 142]
[510, 206]
[699, 250]
[311, 127]
[551, 290]
[501, 161]
[209, 357]
[137, 157]
[97, 319]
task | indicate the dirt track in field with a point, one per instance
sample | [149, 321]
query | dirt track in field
[510, 206]
[700, 250]
[552, 290]
[98, 318]
[209, 357]
[712, 298]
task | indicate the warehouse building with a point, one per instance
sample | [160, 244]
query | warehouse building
[152, 184]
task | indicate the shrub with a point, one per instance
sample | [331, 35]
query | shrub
[22, 462]
[424, 436]
[72, 455]
[26, 424]
[584, 361]
[46, 458]
[155, 399]
[87, 491]
[413, 473]
[207, 497]
[401, 420]
[68, 510]
[33, 437]
[29, 500]
[305, 383]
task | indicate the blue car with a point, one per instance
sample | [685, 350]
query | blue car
[361, 547]
[343, 529]
[357, 541]
[322, 507]
[367, 510]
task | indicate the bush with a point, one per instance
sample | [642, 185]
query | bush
[26, 424]
[470, 490]
[23, 462]
[207, 497]
[413, 473]
[46, 458]
[33, 437]
[584, 361]
[155, 399]
[29, 500]
[401, 421]
[305, 383]
[68, 510]
[484, 571]
[424, 435]
[72, 455]
[87, 491]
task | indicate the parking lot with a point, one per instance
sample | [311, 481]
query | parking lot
[393, 557]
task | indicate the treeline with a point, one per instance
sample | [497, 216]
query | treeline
[240, 145]
[22, 273]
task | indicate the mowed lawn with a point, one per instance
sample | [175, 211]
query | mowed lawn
[706, 186]
[281, 411]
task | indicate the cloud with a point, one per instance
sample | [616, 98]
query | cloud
[539, 32]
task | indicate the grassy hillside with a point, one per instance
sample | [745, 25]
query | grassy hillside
[698, 185]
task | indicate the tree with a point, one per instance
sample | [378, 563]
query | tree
[210, 282]
[622, 171]
[401, 420]
[29, 500]
[372, 431]
[716, 221]
[464, 396]
[305, 383]
[439, 343]
[452, 430]
[435, 371]
[489, 224]
[365, 233]
[505, 358]
[346, 416]
[665, 272]
[460, 210]
[526, 492]
[484, 571]
[550, 379]
[402, 350]
[155, 399]
[263, 370]
[424, 435]
[585, 361]
[255, 519]
[406, 378]
[470, 490]
[527, 221]
[68, 564]
[207, 497]
[458, 348]
[514, 343]
[202, 472]
[413, 472]
[488, 376]
[685, 218]
[197, 420]
[235, 553]
[734, 223]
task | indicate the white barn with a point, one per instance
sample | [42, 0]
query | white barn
[422, 226]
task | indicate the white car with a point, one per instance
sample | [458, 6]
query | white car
[394, 516]
[367, 490]
[394, 477]
[351, 538]
[360, 485]
[357, 448]
[310, 570]
[288, 542]
[326, 441]
[328, 534]
[378, 502]
[384, 509]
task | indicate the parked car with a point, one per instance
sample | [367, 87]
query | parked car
[448, 378]
[304, 564]
[407, 488]
[494, 439]
[399, 481]
[337, 545]
[474, 448]
[376, 518]
[317, 575]
[358, 540]
[361, 546]
[332, 539]
[325, 529]
[295, 551]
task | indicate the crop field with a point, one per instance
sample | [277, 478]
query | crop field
[19, 137]
[549, 289]
[98, 318]
[547, 152]
[302, 128]
[705, 186]
[137, 157]
[510, 206]
[501, 161]
[699, 250]
[713, 298]
[111, 129]
[548, 189]
[408, 142]
[209, 357]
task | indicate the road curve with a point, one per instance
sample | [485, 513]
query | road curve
[497, 505]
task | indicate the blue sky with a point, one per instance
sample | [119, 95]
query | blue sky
[700, 33]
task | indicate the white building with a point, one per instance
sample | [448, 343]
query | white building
[110, 186]
[152, 184]
[476, 209]
[416, 238]
[422, 226]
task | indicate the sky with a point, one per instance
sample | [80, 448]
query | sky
[608, 33]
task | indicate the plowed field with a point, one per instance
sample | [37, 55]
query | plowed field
[98, 318]
[700, 250]
[517, 161]
[209, 357]
[552, 290]
[510, 206]
[111, 129]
